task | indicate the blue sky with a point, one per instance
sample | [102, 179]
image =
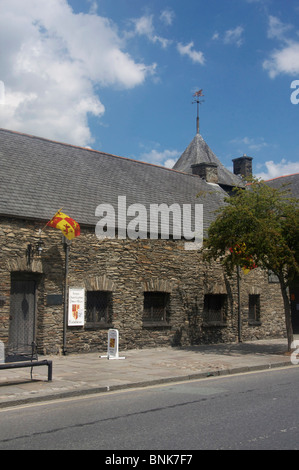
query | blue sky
[119, 75]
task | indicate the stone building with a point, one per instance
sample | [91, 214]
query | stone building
[291, 182]
[152, 285]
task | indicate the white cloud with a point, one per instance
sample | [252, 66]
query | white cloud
[234, 36]
[51, 63]
[195, 56]
[249, 143]
[274, 170]
[215, 36]
[166, 158]
[286, 59]
[231, 36]
[93, 7]
[276, 28]
[143, 26]
[170, 163]
[167, 17]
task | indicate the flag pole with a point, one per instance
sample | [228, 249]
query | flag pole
[66, 272]
[197, 94]
[42, 229]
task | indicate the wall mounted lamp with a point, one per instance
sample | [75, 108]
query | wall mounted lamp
[34, 250]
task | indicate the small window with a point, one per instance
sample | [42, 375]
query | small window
[272, 278]
[254, 308]
[98, 308]
[215, 309]
[155, 307]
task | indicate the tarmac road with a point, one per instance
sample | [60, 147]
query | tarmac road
[256, 410]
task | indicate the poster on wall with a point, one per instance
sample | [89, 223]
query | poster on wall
[76, 307]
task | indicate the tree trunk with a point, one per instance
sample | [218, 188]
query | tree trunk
[287, 311]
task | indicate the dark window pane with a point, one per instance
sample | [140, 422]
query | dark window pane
[97, 307]
[155, 304]
[254, 307]
[215, 308]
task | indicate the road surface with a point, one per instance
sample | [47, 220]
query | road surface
[246, 411]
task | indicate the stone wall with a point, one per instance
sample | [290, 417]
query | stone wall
[127, 269]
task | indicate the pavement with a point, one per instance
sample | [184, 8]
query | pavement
[89, 373]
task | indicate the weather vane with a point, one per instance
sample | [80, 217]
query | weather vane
[197, 95]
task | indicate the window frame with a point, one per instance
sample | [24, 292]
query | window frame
[254, 309]
[151, 320]
[94, 322]
[209, 312]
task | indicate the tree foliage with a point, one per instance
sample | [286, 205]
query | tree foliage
[264, 223]
[258, 227]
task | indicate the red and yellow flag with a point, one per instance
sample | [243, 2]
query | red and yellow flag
[69, 227]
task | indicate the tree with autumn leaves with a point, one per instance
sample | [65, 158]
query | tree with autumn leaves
[259, 227]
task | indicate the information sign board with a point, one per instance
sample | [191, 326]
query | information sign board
[76, 307]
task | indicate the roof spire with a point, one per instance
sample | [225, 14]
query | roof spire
[197, 94]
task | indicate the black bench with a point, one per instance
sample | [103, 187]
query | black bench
[16, 361]
[17, 365]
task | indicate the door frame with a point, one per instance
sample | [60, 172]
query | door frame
[29, 350]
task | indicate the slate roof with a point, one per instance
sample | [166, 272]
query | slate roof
[198, 151]
[40, 176]
[291, 182]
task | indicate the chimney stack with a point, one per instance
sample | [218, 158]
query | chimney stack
[207, 171]
[243, 166]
